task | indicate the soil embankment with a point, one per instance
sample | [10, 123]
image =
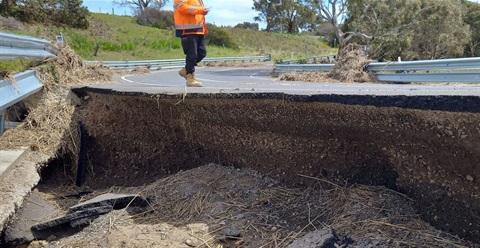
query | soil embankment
[432, 156]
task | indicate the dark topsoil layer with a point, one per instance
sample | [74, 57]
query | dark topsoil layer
[433, 156]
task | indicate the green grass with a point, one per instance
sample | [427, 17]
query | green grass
[14, 66]
[280, 46]
[121, 38]
[115, 31]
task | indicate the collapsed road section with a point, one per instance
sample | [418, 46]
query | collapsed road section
[427, 148]
[260, 170]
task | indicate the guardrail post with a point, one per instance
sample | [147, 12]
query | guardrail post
[2, 121]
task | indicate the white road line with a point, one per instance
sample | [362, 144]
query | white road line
[154, 72]
[124, 78]
[261, 78]
[253, 76]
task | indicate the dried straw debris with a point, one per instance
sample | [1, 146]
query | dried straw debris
[69, 69]
[244, 206]
[47, 129]
[351, 64]
[50, 125]
[349, 68]
[309, 76]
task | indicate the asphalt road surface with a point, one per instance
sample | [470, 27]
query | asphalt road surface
[258, 80]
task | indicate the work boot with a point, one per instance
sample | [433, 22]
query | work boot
[183, 73]
[192, 82]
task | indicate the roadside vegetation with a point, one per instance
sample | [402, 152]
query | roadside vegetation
[295, 29]
[111, 37]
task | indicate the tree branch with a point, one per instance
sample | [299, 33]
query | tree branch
[350, 35]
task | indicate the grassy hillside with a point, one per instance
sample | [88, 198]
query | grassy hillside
[121, 38]
[280, 46]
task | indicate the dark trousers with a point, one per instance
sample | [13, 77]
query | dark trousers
[195, 49]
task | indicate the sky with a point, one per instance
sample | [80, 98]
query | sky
[223, 12]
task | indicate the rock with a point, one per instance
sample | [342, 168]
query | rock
[231, 231]
[189, 242]
[324, 238]
[37, 244]
[470, 178]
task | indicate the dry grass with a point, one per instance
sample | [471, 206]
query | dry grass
[7, 76]
[50, 126]
[269, 215]
[310, 76]
[46, 129]
[349, 68]
[350, 65]
[69, 69]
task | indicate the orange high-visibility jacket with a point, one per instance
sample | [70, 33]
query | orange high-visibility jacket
[189, 18]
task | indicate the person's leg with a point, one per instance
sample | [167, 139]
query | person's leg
[201, 48]
[189, 44]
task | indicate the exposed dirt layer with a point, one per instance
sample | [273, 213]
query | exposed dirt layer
[431, 156]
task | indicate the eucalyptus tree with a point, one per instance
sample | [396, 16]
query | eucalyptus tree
[389, 24]
[141, 5]
[412, 29]
[268, 12]
[296, 15]
[284, 15]
[473, 19]
[442, 31]
[335, 13]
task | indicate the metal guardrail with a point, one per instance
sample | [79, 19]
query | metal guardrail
[407, 71]
[25, 84]
[11, 92]
[450, 77]
[21, 47]
[171, 63]
[285, 68]
[313, 60]
[439, 64]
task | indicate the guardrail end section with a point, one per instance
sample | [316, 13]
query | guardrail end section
[2, 121]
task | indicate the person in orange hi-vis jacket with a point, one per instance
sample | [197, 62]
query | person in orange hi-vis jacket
[189, 16]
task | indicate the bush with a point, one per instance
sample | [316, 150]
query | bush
[61, 12]
[72, 13]
[278, 61]
[248, 26]
[218, 36]
[302, 61]
[161, 19]
[10, 23]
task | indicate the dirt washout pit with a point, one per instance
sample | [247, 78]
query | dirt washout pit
[426, 148]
